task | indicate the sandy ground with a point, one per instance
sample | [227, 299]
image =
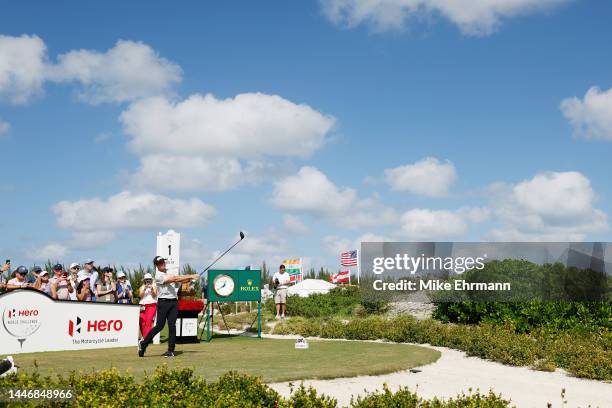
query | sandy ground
[454, 372]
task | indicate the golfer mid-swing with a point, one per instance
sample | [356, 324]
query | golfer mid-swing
[167, 305]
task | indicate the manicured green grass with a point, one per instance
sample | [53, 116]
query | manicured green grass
[273, 360]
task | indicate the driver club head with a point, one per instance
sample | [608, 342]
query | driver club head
[241, 235]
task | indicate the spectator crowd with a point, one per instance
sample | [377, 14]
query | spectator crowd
[85, 284]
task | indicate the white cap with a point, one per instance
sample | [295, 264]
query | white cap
[82, 278]
[148, 276]
[120, 274]
[44, 272]
[72, 265]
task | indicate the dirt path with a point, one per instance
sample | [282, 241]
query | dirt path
[454, 372]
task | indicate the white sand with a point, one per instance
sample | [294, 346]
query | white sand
[454, 372]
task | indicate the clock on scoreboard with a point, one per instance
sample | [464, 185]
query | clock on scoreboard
[226, 285]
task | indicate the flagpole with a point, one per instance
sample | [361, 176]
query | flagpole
[358, 265]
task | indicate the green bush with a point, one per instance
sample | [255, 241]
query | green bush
[529, 315]
[180, 388]
[404, 398]
[341, 301]
[583, 353]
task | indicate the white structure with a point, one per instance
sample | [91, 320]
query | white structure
[32, 322]
[169, 246]
[308, 287]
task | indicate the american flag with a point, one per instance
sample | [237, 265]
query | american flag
[348, 258]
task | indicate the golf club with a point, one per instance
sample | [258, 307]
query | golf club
[223, 254]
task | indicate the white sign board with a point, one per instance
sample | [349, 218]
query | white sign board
[32, 322]
[169, 246]
[187, 327]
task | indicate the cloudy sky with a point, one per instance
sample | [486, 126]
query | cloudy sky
[309, 125]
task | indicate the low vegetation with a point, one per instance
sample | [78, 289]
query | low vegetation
[343, 301]
[586, 354]
[181, 388]
[528, 316]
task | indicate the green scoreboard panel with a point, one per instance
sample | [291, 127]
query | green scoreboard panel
[227, 285]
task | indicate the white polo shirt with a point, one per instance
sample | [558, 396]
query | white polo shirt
[165, 290]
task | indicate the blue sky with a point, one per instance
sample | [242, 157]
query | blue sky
[426, 124]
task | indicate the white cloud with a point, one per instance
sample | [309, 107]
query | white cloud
[53, 252]
[269, 246]
[295, 225]
[550, 206]
[248, 125]
[367, 212]
[128, 71]
[473, 17]
[475, 214]
[253, 250]
[423, 224]
[4, 127]
[335, 245]
[270, 242]
[592, 115]
[161, 172]
[207, 144]
[128, 210]
[90, 239]
[22, 68]
[427, 177]
[310, 191]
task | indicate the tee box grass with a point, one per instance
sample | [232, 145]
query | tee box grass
[273, 360]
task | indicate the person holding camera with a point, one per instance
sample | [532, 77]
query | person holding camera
[19, 279]
[35, 272]
[280, 282]
[3, 278]
[84, 293]
[124, 289]
[60, 285]
[106, 290]
[42, 282]
[148, 304]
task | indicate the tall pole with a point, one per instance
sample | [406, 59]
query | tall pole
[259, 319]
[358, 265]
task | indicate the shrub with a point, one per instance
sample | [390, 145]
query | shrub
[529, 315]
[180, 388]
[582, 353]
[406, 399]
[342, 301]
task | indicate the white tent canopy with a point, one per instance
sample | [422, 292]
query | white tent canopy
[308, 287]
